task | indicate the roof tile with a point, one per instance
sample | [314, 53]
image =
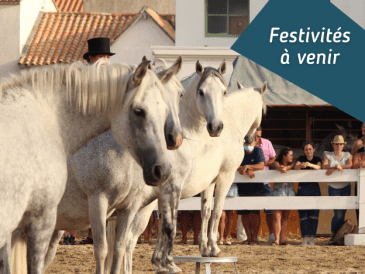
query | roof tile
[69, 5]
[62, 37]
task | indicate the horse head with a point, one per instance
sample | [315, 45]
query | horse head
[142, 125]
[174, 91]
[210, 93]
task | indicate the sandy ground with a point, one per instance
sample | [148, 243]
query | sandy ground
[263, 258]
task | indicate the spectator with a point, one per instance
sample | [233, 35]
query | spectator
[308, 218]
[225, 227]
[269, 154]
[98, 47]
[147, 231]
[283, 163]
[254, 160]
[360, 142]
[358, 147]
[70, 238]
[337, 160]
[185, 221]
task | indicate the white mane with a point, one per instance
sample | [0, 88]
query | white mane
[89, 88]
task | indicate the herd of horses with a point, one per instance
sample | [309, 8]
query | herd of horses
[80, 141]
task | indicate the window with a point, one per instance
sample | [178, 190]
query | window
[226, 18]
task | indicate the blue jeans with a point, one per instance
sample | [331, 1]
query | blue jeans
[268, 192]
[339, 218]
[308, 218]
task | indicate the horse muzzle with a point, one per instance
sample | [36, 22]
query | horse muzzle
[215, 128]
[156, 174]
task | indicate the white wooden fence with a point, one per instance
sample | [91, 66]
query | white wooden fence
[292, 203]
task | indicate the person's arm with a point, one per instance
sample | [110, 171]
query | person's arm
[325, 163]
[276, 165]
[356, 146]
[348, 163]
[258, 166]
[317, 166]
[271, 161]
[357, 161]
[289, 167]
[298, 165]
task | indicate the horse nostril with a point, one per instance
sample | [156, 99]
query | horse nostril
[157, 172]
[170, 138]
[220, 127]
[210, 127]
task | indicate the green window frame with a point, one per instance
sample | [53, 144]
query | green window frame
[228, 15]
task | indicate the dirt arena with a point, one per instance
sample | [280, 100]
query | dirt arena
[263, 258]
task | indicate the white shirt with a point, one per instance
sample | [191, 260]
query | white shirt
[333, 161]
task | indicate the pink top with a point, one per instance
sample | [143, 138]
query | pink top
[268, 150]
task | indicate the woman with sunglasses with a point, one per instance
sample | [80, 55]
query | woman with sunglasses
[283, 163]
[337, 160]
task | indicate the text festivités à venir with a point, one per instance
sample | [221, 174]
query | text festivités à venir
[308, 36]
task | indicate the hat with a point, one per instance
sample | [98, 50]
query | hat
[338, 140]
[100, 45]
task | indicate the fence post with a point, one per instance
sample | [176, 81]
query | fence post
[361, 197]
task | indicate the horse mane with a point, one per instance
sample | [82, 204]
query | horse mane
[209, 71]
[91, 89]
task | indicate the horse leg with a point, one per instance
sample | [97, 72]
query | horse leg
[170, 199]
[206, 204]
[223, 183]
[98, 206]
[5, 254]
[139, 224]
[125, 219]
[39, 232]
[52, 248]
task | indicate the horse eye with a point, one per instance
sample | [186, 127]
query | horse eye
[201, 93]
[225, 92]
[139, 112]
[181, 95]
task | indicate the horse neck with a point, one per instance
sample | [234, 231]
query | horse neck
[191, 120]
[244, 109]
[74, 128]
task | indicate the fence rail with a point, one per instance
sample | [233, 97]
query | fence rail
[291, 203]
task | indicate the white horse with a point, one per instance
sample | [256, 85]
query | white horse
[200, 108]
[50, 113]
[101, 178]
[218, 160]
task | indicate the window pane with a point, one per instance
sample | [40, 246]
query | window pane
[217, 6]
[237, 24]
[238, 7]
[217, 24]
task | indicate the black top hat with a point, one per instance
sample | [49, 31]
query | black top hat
[100, 45]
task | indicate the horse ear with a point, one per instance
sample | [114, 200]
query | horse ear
[140, 73]
[340, 127]
[239, 85]
[199, 68]
[144, 58]
[264, 87]
[222, 68]
[167, 74]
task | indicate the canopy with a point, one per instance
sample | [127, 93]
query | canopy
[280, 91]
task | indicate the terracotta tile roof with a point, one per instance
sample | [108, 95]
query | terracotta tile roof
[10, 2]
[69, 5]
[62, 37]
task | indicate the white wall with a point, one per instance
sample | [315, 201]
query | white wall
[29, 12]
[136, 41]
[128, 6]
[208, 56]
[9, 37]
